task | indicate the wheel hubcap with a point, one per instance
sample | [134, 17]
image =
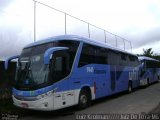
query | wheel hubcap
[83, 99]
[130, 89]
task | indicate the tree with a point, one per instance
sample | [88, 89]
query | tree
[148, 52]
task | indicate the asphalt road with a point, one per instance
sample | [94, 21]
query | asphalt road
[138, 102]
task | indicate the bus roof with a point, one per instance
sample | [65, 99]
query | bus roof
[76, 38]
[147, 58]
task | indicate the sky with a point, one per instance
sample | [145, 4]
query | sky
[135, 20]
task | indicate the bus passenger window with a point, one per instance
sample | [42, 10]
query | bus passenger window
[93, 55]
[87, 55]
[123, 57]
[133, 61]
[113, 58]
[101, 56]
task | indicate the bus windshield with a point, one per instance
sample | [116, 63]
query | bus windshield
[32, 73]
[31, 70]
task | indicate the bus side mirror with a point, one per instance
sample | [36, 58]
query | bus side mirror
[50, 51]
[8, 60]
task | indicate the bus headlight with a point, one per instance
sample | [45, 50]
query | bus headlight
[50, 93]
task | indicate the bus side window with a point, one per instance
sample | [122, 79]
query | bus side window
[113, 58]
[124, 61]
[101, 56]
[133, 61]
[87, 55]
[93, 55]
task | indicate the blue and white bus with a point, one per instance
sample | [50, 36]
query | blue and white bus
[69, 70]
[149, 70]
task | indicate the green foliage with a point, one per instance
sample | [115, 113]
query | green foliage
[157, 57]
[148, 52]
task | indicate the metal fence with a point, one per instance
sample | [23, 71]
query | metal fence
[38, 21]
[59, 22]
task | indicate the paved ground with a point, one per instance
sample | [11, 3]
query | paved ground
[140, 101]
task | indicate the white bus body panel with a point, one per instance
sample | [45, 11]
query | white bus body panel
[57, 101]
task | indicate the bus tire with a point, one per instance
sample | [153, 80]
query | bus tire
[84, 99]
[129, 87]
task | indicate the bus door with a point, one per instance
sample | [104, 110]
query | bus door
[60, 70]
[142, 69]
[155, 71]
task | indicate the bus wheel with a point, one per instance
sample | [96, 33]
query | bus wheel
[129, 87]
[84, 99]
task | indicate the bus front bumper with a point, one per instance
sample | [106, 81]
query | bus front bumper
[45, 104]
